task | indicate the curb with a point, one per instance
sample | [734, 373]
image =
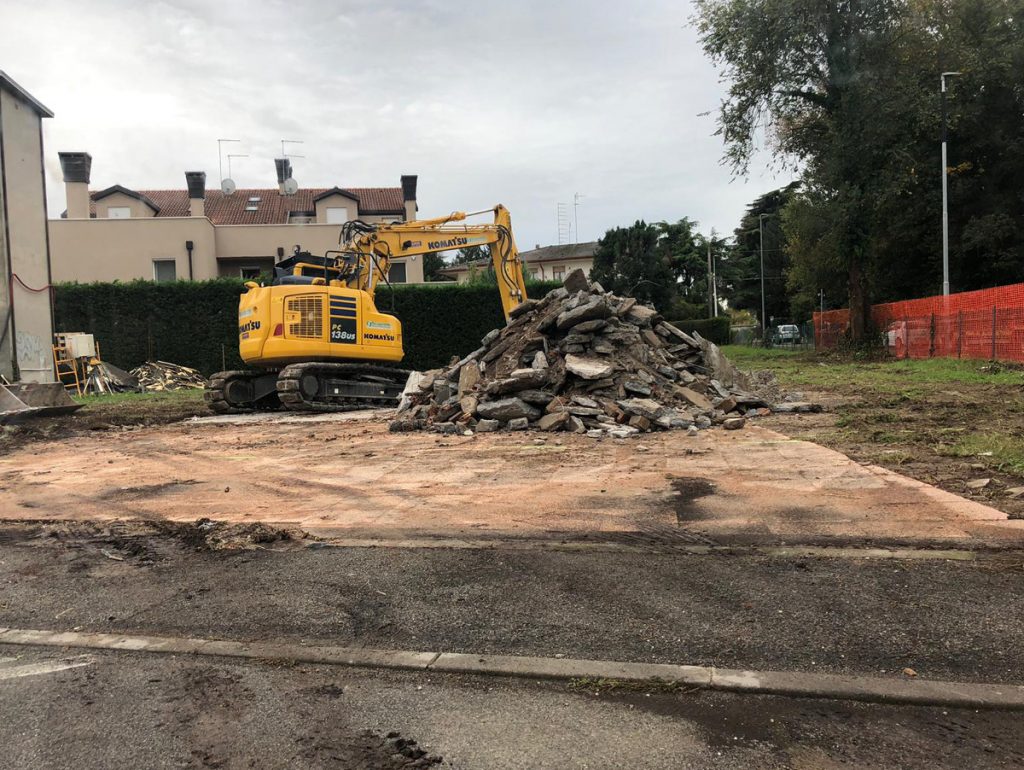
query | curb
[793, 684]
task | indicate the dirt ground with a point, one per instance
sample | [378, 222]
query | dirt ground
[106, 413]
[347, 475]
[945, 422]
[912, 436]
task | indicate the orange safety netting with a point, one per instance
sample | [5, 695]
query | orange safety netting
[973, 324]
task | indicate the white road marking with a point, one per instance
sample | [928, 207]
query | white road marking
[36, 669]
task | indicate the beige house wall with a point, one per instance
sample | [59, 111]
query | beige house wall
[139, 209]
[336, 201]
[24, 251]
[544, 270]
[101, 249]
[88, 250]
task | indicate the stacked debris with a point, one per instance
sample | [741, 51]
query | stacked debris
[107, 378]
[586, 361]
[161, 375]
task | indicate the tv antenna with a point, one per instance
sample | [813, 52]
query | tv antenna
[290, 186]
[284, 152]
[220, 160]
[576, 198]
[229, 162]
[564, 224]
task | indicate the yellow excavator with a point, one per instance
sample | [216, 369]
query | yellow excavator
[315, 338]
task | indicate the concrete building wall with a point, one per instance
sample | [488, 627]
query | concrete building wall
[139, 209]
[88, 250]
[25, 252]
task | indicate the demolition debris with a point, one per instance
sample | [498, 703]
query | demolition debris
[161, 375]
[586, 361]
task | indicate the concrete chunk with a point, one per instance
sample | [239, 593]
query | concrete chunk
[588, 368]
[598, 308]
[507, 409]
[576, 281]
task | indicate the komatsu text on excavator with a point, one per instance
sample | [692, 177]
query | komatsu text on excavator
[315, 337]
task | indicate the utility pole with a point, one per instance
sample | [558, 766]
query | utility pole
[822, 293]
[764, 318]
[576, 214]
[945, 202]
[713, 305]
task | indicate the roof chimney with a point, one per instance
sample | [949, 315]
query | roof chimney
[284, 172]
[76, 167]
[196, 181]
[409, 196]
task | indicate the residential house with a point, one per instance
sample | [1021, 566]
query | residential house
[121, 234]
[547, 263]
[26, 312]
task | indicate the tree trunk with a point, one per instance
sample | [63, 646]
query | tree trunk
[860, 309]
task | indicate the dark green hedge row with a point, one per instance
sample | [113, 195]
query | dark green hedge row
[196, 323]
[714, 329]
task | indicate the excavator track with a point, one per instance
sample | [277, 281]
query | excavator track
[326, 387]
[216, 394]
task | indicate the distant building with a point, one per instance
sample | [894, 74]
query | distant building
[120, 234]
[26, 315]
[547, 263]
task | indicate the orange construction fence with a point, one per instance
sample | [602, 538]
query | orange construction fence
[973, 324]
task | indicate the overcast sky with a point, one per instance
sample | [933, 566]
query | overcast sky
[523, 103]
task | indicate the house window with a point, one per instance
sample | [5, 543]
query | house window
[533, 273]
[249, 273]
[300, 218]
[164, 270]
[119, 212]
[337, 215]
[558, 273]
[396, 273]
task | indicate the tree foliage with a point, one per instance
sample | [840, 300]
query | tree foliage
[848, 91]
[741, 270]
[663, 263]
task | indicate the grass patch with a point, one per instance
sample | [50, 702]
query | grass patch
[1004, 452]
[162, 397]
[907, 380]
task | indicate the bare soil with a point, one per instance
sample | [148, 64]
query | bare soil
[912, 434]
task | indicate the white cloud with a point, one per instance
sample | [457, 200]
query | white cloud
[523, 103]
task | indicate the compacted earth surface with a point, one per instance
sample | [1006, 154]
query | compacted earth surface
[742, 549]
[951, 423]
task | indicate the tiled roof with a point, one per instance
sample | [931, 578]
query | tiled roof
[273, 207]
[559, 253]
[540, 255]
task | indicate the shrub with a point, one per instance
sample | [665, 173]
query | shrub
[195, 323]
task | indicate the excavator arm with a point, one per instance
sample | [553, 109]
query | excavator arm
[367, 250]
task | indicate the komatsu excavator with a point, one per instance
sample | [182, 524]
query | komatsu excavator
[315, 338]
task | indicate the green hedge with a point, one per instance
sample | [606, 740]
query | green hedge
[714, 329]
[196, 323]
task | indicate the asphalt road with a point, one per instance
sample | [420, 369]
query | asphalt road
[945, 620]
[104, 710]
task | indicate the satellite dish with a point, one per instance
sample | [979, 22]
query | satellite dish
[227, 186]
[290, 186]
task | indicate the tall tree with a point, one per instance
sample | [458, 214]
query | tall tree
[817, 75]
[741, 273]
[628, 261]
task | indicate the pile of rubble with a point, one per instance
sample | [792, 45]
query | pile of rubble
[586, 361]
[161, 375]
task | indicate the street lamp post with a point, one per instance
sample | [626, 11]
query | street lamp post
[764, 318]
[945, 204]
